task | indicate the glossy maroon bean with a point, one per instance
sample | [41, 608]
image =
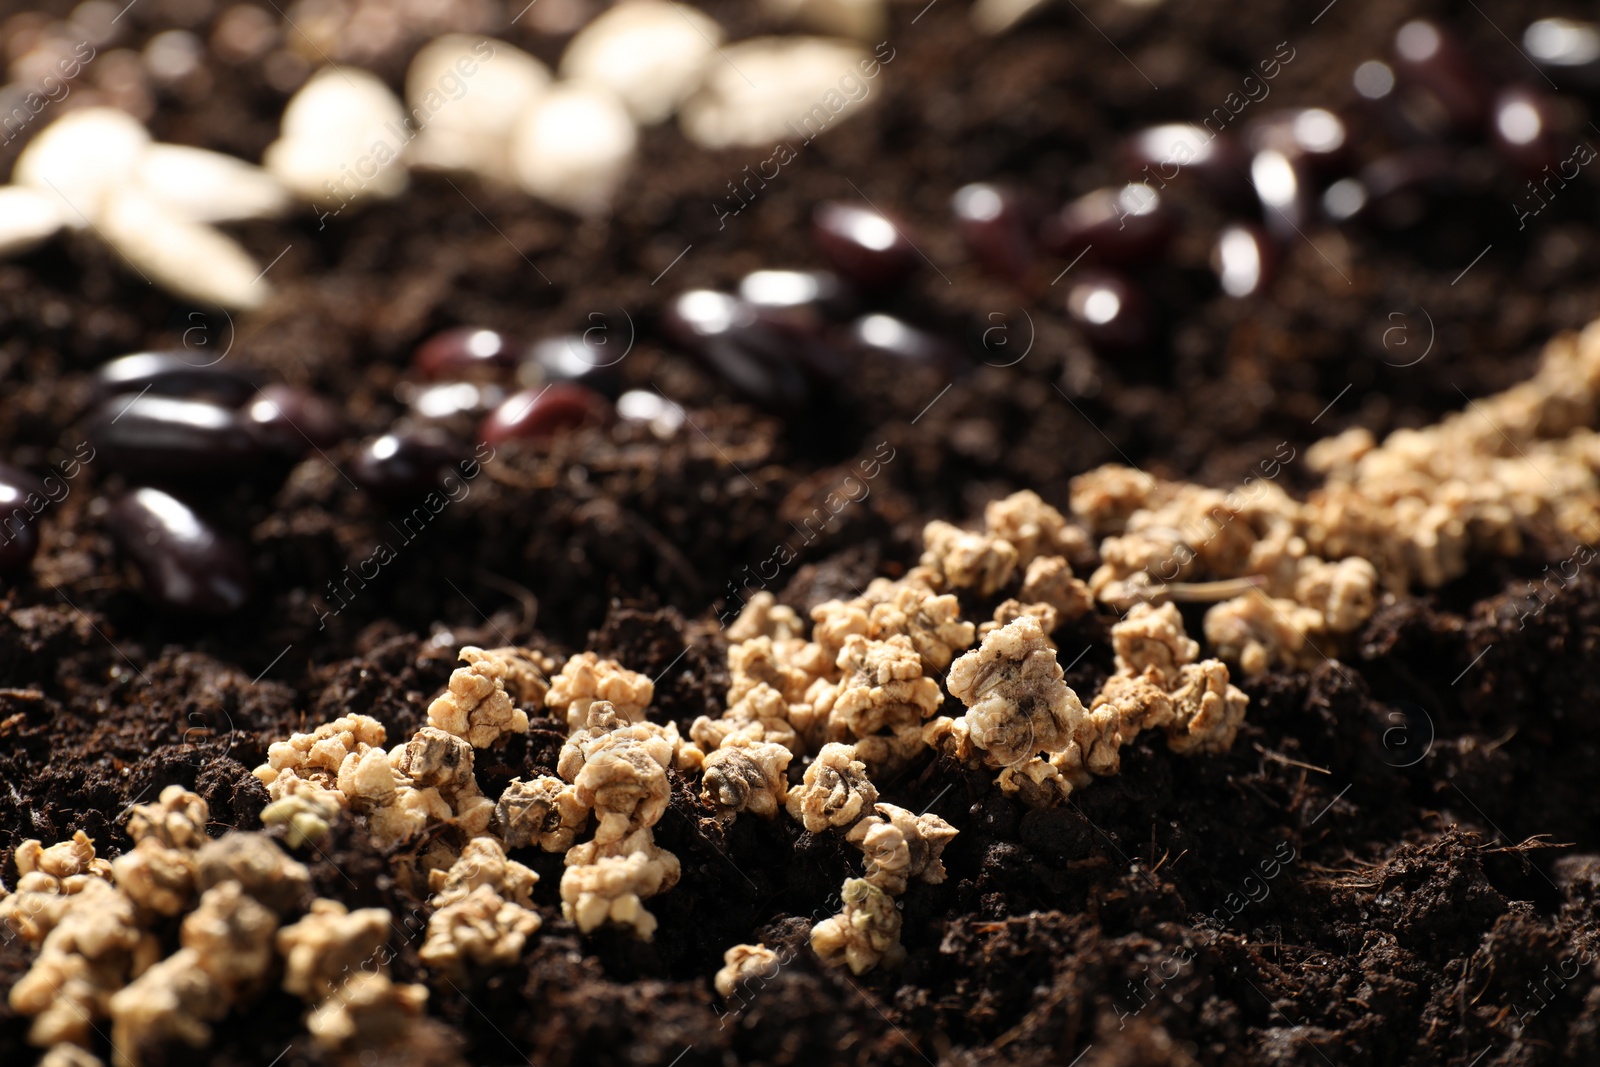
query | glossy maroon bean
[895, 338]
[1523, 127]
[1127, 225]
[865, 246]
[997, 227]
[1285, 191]
[1401, 186]
[22, 497]
[1313, 135]
[466, 351]
[592, 358]
[663, 416]
[172, 374]
[1243, 258]
[183, 563]
[441, 400]
[799, 301]
[164, 439]
[1161, 153]
[293, 421]
[754, 357]
[1436, 68]
[1110, 311]
[541, 414]
[407, 463]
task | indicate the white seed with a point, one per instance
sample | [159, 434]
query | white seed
[650, 53]
[207, 186]
[861, 20]
[465, 94]
[341, 139]
[80, 158]
[27, 218]
[573, 147]
[778, 88]
[189, 259]
[994, 17]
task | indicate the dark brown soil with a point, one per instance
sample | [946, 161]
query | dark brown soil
[1398, 862]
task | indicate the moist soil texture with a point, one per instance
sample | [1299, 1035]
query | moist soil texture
[1398, 862]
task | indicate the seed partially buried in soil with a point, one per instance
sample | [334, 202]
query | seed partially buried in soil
[997, 227]
[754, 357]
[862, 244]
[164, 439]
[19, 537]
[170, 374]
[889, 336]
[540, 414]
[292, 420]
[1123, 225]
[1110, 310]
[466, 353]
[183, 563]
[405, 464]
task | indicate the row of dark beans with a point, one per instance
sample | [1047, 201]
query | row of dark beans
[179, 432]
[1291, 169]
[785, 337]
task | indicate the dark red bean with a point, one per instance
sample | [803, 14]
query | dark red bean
[1285, 192]
[1312, 135]
[997, 226]
[754, 357]
[1243, 258]
[441, 400]
[183, 563]
[1523, 125]
[293, 420]
[1441, 78]
[407, 463]
[171, 374]
[865, 246]
[1401, 186]
[664, 416]
[22, 496]
[466, 351]
[540, 414]
[899, 340]
[1110, 311]
[592, 358]
[1127, 225]
[1161, 153]
[163, 439]
[799, 301]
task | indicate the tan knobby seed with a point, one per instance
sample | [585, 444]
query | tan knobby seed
[834, 792]
[587, 678]
[1017, 703]
[866, 931]
[900, 845]
[476, 705]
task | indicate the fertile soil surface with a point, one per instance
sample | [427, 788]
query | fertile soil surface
[1397, 863]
